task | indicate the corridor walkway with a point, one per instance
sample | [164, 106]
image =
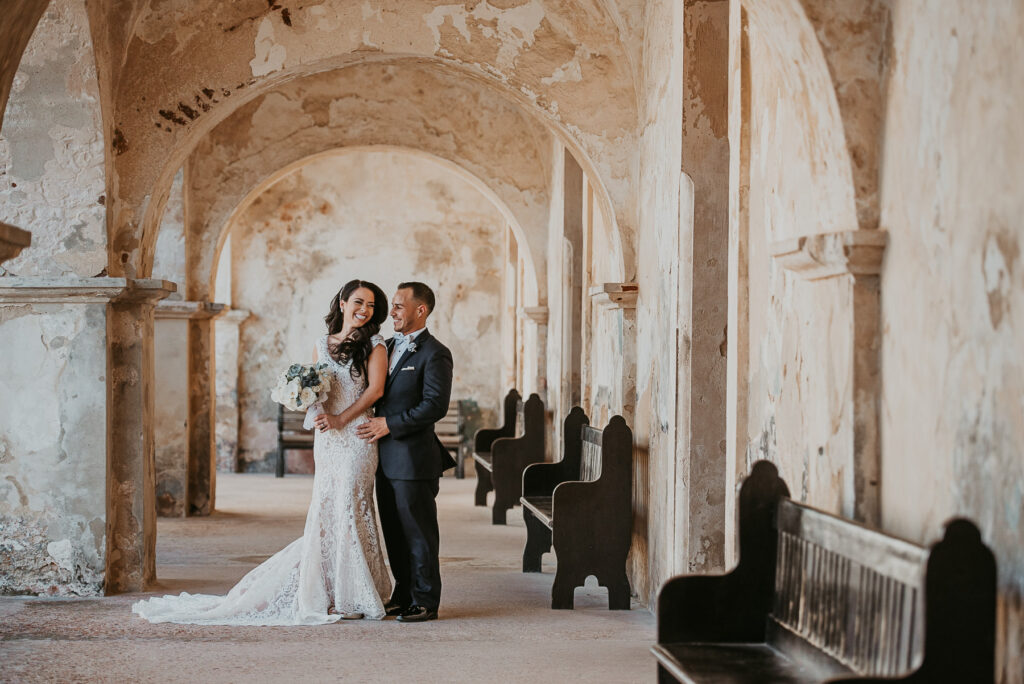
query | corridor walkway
[495, 621]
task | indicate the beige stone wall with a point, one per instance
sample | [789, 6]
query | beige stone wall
[51, 151]
[796, 336]
[384, 216]
[953, 286]
[53, 449]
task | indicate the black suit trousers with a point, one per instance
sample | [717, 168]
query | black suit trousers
[408, 518]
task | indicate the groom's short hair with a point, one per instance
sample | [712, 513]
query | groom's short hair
[421, 292]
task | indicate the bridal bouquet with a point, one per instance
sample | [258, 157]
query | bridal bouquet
[301, 386]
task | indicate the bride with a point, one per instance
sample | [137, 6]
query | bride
[336, 569]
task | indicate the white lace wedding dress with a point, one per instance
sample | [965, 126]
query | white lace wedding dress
[338, 560]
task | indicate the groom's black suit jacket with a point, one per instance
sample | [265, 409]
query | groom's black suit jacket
[416, 396]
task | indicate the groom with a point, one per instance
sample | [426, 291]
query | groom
[412, 458]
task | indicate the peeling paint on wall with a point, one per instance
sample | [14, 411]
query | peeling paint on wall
[383, 216]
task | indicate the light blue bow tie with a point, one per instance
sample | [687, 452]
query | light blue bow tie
[398, 338]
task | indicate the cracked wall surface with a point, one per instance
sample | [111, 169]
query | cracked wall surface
[383, 216]
[51, 151]
[53, 466]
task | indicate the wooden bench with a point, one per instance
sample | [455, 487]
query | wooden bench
[583, 506]
[500, 460]
[449, 430]
[818, 598]
[290, 434]
[484, 438]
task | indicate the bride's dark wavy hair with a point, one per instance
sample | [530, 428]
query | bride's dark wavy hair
[358, 345]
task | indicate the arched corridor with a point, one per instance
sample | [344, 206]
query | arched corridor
[757, 230]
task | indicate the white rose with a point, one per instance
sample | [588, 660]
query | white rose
[307, 396]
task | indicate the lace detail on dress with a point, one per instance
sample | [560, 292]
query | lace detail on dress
[337, 562]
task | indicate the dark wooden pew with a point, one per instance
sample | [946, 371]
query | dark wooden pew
[818, 598]
[508, 456]
[290, 434]
[484, 438]
[582, 506]
[449, 430]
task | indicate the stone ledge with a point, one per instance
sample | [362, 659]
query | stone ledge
[815, 257]
[26, 290]
[235, 316]
[188, 310]
[537, 314]
[12, 241]
[615, 295]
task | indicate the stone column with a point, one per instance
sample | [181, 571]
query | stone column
[534, 348]
[856, 256]
[622, 297]
[699, 516]
[131, 487]
[182, 385]
[226, 388]
[202, 448]
[12, 241]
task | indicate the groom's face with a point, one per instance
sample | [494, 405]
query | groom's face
[407, 314]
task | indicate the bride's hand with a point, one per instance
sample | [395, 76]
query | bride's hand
[326, 421]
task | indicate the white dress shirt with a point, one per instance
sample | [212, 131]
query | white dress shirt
[400, 346]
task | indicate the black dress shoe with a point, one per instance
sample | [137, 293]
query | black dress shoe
[418, 614]
[392, 608]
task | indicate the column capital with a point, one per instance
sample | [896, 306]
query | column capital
[826, 255]
[12, 241]
[188, 310]
[615, 295]
[537, 314]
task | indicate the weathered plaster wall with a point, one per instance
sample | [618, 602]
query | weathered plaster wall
[953, 286]
[53, 452]
[15, 32]
[51, 150]
[798, 344]
[384, 216]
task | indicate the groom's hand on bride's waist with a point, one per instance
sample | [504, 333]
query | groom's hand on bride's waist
[373, 429]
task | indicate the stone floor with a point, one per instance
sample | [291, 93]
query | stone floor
[495, 621]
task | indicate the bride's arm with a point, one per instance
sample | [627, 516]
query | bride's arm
[377, 373]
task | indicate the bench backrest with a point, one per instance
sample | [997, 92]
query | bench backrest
[451, 424]
[290, 421]
[852, 592]
[510, 412]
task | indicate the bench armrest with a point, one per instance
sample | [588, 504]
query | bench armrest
[712, 608]
[484, 438]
